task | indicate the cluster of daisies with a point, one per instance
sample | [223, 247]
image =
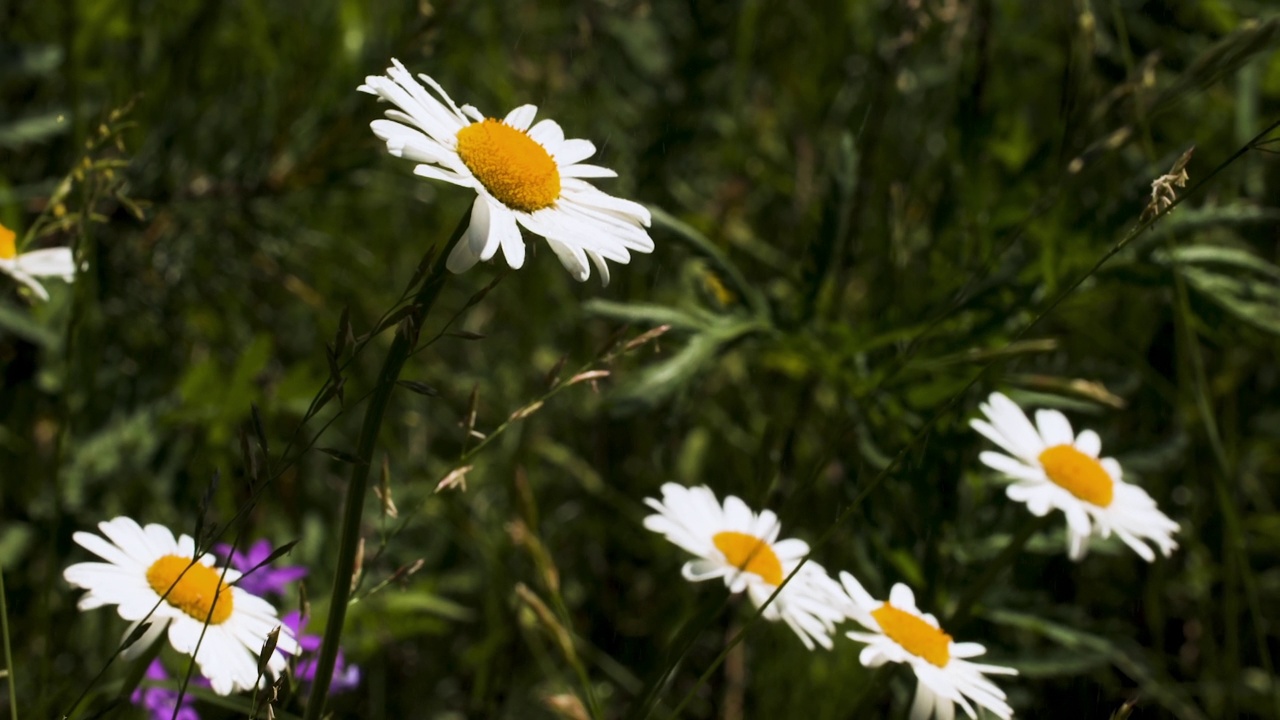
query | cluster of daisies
[528, 175]
[1049, 467]
[524, 174]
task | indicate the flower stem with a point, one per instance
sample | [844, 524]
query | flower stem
[357, 486]
[8, 656]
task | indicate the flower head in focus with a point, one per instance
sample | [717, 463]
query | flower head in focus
[25, 268]
[900, 633]
[148, 568]
[525, 174]
[742, 547]
[264, 580]
[1052, 467]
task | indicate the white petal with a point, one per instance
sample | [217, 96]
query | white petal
[506, 232]
[922, 705]
[479, 240]
[601, 266]
[581, 170]
[431, 171]
[1009, 420]
[10, 268]
[1077, 545]
[901, 597]
[572, 258]
[53, 262]
[572, 151]
[1010, 466]
[521, 117]
[1089, 443]
[547, 133]
[1054, 427]
[699, 570]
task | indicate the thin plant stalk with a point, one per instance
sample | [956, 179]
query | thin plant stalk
[8, 654]
[357, 486]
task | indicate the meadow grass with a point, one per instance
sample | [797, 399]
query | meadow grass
[867, 217]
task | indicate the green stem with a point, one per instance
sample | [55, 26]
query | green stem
[357, 485]
[8, 654]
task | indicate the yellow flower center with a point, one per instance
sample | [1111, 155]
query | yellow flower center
[914, 634]
[751, 554]
[197, 590]
[512, 166]
[1078, 474]
[8, 250]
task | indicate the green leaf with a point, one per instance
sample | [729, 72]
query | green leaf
[21, 323]
[33, 128]
[1162, 690]
[1248, 286]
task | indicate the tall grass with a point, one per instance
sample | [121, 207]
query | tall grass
[869, 215]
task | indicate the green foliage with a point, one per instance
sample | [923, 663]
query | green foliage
[868, 215]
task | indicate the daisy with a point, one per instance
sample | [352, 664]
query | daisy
[1051, 467]
[25, 268]
[524, 174]
[736, 544]
[144, 564]
[945, 677]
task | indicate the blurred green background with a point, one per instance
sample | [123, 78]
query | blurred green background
[864, 204]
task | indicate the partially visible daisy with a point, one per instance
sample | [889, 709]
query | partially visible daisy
[524, 174]
[736, 544]
[25, 268]
[945, 677]
[1051, 467]
[143, 564]
[266, 580]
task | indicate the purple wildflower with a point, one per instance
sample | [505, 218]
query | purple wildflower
[160, 702]
[345, 677]
[265, 579]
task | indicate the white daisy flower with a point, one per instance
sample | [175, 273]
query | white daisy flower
[524, 174]
[145, 563]
[25, 268]
[736, 544]
[1051, 467]
[901, 633]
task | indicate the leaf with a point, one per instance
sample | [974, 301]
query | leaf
[20, 323]
[1224, 58]
[340, 455]
[702, 245]
[344, 336]
[258, 430]
[33, 128]
[419, 387]
[659, 382]
[1238, 257]
[1162, 690]
[1243, 293]
[645, 314]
